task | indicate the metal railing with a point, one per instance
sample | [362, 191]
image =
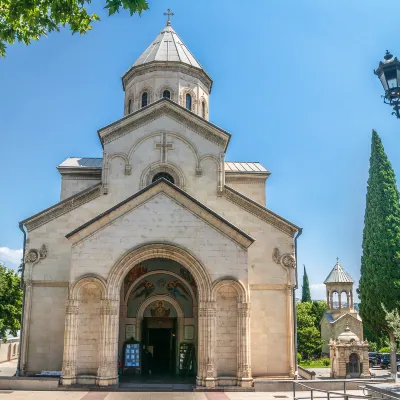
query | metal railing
[329, 394]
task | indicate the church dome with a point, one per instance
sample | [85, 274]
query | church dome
[167, 69]
[348, 336]
[167, 46]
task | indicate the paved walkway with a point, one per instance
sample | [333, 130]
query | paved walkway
[73, 395]
[8, 368]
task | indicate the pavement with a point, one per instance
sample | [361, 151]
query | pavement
[74, 395]
[8, 368]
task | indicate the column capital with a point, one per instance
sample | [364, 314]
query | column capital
[72, 307]
[109, 307]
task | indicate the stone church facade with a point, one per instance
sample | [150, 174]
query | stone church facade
[161, 232]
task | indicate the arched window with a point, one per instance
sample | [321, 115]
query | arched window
[166, 94]
[144, 99]
[203, 109]
[164, 175]
[188, 101]
[129, 106]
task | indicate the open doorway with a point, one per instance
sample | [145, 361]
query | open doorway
[159, 338]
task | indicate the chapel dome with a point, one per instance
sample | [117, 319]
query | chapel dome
[348, 336]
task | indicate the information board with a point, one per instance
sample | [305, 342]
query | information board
[132, 355]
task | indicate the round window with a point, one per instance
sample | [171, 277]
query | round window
[164, 175]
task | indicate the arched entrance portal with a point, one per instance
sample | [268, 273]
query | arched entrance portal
[159, 309]
[158, 284]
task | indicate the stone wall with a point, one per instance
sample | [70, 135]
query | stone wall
[226, 351]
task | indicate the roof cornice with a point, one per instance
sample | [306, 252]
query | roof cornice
[62, 207]
[259, 211]
[176, 194]
[173, 110]
[167, 66]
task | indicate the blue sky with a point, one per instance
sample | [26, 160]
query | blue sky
[293, 83]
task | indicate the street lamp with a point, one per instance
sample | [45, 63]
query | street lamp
[388, 72]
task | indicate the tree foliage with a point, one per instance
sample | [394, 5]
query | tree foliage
[10, 301]
[380, 262]
[309, 340]
[27, 20]
[318, 309]
[305, 293]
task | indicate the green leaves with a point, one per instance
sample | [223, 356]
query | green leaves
[380, 262]
[305, 294]
[10, 301]
[308, 335]
[27, 20]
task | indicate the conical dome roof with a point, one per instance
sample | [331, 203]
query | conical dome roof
[167, 46]
[338, 275]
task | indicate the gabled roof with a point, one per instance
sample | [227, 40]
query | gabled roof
[338, 275]
[259, 211]
[332, 320]
[173, 110]
[169, 189]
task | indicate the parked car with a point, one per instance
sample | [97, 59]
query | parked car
[373, 358]
[385, 361]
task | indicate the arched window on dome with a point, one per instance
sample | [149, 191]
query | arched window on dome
[164, 175]
[166, 94]
[203, 109]
[145, 99]
[188, 101]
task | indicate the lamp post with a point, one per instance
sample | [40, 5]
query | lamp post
[388, 72]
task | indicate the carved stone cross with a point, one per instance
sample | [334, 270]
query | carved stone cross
[163, 146]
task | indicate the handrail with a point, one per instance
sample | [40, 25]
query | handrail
[330, 392]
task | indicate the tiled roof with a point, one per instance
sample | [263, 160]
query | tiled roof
[338, 275]
[230, 167]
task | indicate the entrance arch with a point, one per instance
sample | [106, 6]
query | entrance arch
[206, 307]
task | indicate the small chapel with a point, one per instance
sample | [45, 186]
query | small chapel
[341, 313]
[161, 247]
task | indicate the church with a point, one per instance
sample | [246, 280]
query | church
[161, 246]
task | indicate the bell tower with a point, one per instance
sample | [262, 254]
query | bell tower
[167, 69]
[339, 290]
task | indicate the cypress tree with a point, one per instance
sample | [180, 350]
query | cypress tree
[380, 262]
[305, 294]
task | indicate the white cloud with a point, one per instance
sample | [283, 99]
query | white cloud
[318, 291]
[10, 257]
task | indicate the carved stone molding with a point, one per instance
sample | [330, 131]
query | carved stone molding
[82, 177]
[277, 286]
[286, 260]
[35, 255]
[108, 307]
[62, 207]
[244, 180]
[259, 211]
[144, 117]
[50, 283]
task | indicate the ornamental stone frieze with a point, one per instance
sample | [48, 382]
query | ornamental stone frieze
[287, 260]
[35, 255]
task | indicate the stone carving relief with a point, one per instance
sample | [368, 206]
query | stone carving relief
[35, 255]
[287, 260]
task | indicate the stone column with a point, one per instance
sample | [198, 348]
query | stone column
[243, 341]
[107, 373]
[26, 327]
[206, 342]
[68, 376]
[290, 322]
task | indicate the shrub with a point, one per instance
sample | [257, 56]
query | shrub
[384, 350]
[326, 361]
[299, 358]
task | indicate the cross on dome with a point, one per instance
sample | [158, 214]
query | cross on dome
[170, 14]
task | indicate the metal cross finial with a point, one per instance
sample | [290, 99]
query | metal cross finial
[170, 14]
[337, 260]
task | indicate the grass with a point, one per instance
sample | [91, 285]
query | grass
[320, 363]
